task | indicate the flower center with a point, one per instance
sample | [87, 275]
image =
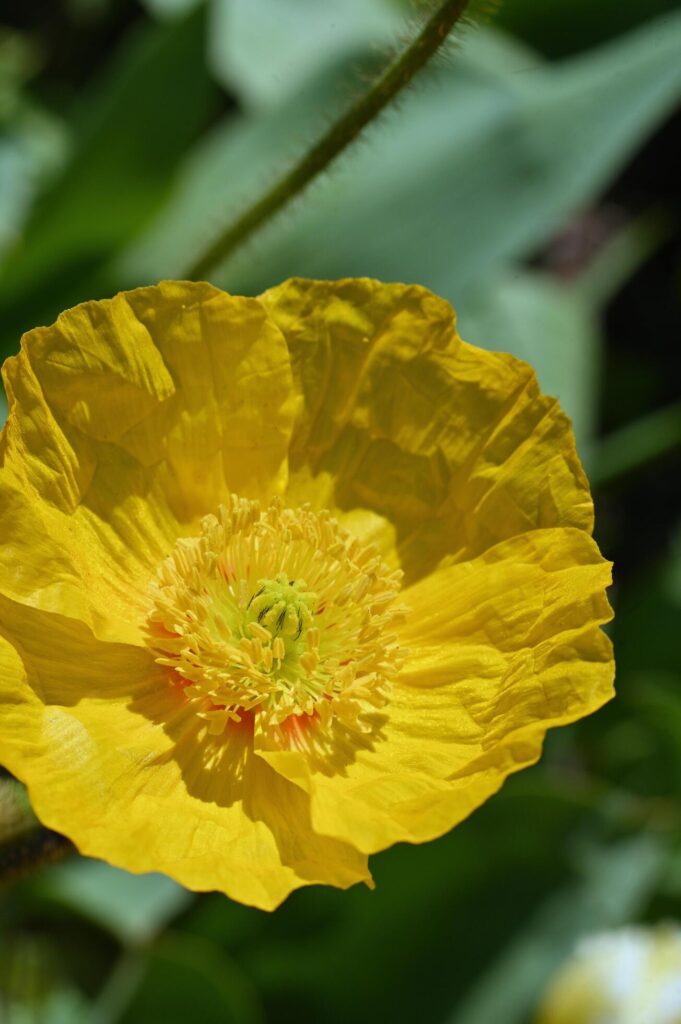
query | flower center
[277, 613]
[283, 606]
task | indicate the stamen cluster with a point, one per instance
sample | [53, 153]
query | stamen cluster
[277, 613]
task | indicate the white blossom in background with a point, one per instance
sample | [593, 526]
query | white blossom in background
[629, 976]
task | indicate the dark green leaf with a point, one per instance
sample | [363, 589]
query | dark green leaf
[131, 132]
[616, 884]
[185, 978]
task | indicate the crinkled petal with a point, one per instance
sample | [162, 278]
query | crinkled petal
[113, 760]
[129, 419]
[502, 648]
[453, 445]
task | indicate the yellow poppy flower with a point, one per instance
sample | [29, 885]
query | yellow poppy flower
[630, 976]
[284, 580]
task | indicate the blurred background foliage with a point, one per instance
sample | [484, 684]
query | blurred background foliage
[532, 178]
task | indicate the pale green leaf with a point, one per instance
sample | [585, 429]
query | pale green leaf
[482, 162]
[133, 907]
[266, 50]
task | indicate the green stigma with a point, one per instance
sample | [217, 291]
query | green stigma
[283, 606]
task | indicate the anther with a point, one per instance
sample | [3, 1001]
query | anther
[278, 648]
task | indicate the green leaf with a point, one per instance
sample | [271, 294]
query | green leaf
[135, 908]
[646, 628]
[33, 984]
[170, 8]
[636, 445]
[33, 143]
[616, 883]
[218, 178]
[129, 135]
[186, 978]
[479, 166]
[266, 50]
[482, 163]
[638, 744]
[565, 26]
[65, 1006]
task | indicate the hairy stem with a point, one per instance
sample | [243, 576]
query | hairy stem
[341, 134]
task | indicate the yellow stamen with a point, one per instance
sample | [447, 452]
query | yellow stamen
[278, 612]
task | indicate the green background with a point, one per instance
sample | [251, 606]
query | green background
[532, 178]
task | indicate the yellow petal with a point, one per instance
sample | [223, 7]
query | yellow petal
[129, 419]
[452, 444]
[113, 760]
[501, 648]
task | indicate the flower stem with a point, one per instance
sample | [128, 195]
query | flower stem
[338, 137]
